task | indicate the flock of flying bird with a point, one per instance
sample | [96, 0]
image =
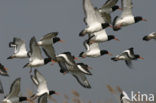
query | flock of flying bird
[97, 20]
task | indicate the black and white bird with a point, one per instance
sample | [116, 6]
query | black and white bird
[43, 98]
[19, 48]
[101, 36]
[35, 56]
[1, 88]
[127, 56]
[126, 18]
[50, 38]
[93, 19]
[124, 98]
[150, 36]
[131, 54]
[47, 41]
[84, 68]
[78, 70]
[69, 59]
[93, 50]
[3, 70]
[60, 61]
[123, 56]
[41, 83]
[13, 96]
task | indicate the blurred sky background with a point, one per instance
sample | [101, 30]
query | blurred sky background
[27, 18]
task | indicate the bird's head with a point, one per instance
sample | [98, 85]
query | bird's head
[139, 18]
[103, 52]
[145, 38]
[138, 57]
[57, 39]
[53, 92]
[110, 37]
[116, 7]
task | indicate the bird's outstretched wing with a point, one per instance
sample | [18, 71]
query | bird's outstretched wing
[109, 4]
[41, 80]
[14, 89]
[127, 6]
[43, 98]
[35, 49]
[129, 63]
[49, 51]
[1, 87]
[92, 15]
[49, 35]
[18, 44]
[81, 78]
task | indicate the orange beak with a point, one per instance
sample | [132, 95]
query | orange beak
[76, 58]
[110, 54]
[110, 26]
[144, 19]
[6, 69]
[141, 58]
[120, 9]
[90, 67]
[53, 62]
[64, 73]
[61, 41]
[57, 93]
[116, 39]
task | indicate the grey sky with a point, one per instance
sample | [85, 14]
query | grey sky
[27, 18]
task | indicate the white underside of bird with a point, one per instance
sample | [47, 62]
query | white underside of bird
[93, 49]
[93, 53]
[122, 57]
[36, 62]
[125, 21]
[95, 27]
[41, 90]
[21, 54]
[100, 36]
